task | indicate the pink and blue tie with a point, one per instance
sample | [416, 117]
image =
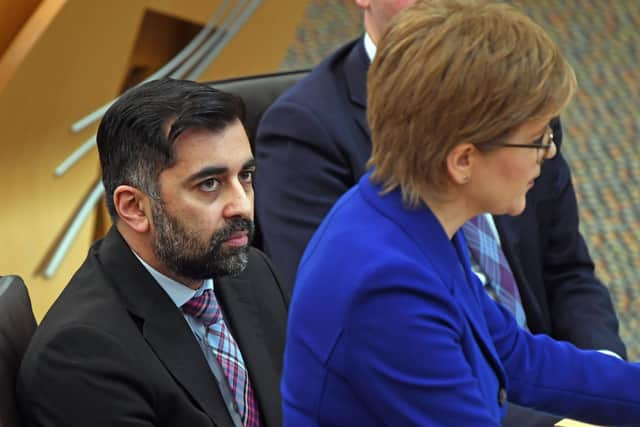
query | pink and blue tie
[205, 307]
[489, 256]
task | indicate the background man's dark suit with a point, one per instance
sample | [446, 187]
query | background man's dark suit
[141, 364]
[313, 144]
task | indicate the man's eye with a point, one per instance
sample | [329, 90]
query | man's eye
[247, 176]
[209, 185]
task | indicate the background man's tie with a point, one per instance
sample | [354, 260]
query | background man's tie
[205, 307]
[487, 253]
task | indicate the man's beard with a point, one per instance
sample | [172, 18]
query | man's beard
[184, 252]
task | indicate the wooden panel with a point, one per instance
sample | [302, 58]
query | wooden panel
[30, 32]
[197, 11]
[260, 47]
[13, 15]
[159, 38]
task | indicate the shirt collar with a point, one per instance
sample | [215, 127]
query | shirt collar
[178, 292]
[369, 46]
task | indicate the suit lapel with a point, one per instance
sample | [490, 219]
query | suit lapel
[163, 326]
[182, 356]
[355, 72]
[510, 233]
[240, 311]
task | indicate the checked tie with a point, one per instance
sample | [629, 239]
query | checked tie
[489, 256]
[205, 307]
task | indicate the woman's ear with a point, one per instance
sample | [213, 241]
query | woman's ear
[133, 207]
[460, 163]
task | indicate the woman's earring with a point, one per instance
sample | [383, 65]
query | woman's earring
[466, 179]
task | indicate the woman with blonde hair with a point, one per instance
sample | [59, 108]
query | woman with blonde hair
[388, 324]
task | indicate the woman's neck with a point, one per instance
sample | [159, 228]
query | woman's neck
[452, 212]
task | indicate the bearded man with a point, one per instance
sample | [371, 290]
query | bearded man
[173, 319]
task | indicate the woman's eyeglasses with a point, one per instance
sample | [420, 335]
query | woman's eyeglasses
[542, 144]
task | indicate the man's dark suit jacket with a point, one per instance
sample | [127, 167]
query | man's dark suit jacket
[313, 144]
[114, 350]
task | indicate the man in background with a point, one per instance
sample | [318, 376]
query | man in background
[313, 144]
[173, 319]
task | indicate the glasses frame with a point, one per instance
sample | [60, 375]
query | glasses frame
[538, 144]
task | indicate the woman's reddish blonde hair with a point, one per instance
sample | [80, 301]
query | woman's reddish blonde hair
[453, 71]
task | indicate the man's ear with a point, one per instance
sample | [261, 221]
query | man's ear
[133, 207]
[460, 163]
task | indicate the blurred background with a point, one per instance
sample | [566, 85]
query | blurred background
[60, 60]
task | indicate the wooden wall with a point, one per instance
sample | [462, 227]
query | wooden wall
[13, 15]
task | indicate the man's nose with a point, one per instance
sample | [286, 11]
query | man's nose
[240, 201]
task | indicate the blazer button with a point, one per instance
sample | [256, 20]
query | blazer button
[502, 396]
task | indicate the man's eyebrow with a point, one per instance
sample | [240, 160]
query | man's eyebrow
[207, 172]
[218, 170]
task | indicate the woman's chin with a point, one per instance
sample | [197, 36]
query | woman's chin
[513, 209]
[518, 207]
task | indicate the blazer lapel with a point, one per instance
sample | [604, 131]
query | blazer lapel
[472, 307]
[163, 326]
[237, 299]
[451, 262]
[356, 67]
